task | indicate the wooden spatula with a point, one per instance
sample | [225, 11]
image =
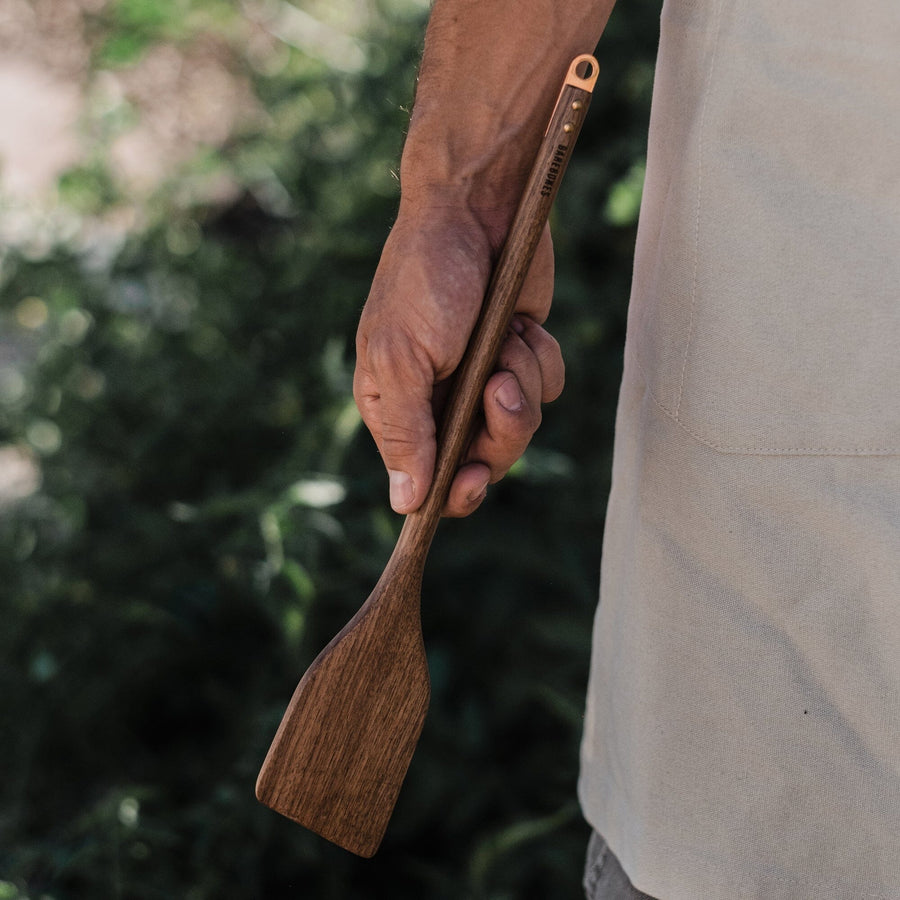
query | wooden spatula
[339, 757]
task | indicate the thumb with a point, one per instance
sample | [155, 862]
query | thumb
[393, 391]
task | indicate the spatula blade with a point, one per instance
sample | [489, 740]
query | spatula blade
[341, 753]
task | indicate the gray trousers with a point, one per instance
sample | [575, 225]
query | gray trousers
[604, 878]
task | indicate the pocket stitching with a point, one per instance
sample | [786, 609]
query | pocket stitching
[674, 414]
[696, 261]
[758, 451]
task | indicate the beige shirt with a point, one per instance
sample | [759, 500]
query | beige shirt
[742, 734]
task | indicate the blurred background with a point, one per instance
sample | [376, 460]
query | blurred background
[193, 196]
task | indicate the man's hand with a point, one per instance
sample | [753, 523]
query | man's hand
[488, 81]
[424, 302]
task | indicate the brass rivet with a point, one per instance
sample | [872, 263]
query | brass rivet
[568, 128]
[576, 105]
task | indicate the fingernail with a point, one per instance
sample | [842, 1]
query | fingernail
[402, 492]
[478, 494]
[517, 325]
[509, 395]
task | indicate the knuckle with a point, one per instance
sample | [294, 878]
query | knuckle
[554, 383]
[364, 388]
[553, 367]
[387, 351]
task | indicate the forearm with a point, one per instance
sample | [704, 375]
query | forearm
[490, 74]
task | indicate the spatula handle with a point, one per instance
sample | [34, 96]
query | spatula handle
[503, 291]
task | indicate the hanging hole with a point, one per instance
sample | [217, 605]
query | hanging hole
[583, 72]
[585, 69]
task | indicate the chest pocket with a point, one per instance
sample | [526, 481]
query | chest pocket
[766, 302]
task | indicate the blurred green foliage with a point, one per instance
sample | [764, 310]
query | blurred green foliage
[209, 511]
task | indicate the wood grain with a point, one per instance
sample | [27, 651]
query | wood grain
[341, 752]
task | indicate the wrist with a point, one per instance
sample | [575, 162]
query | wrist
[442, 214]
[472, 201]
[480, 165]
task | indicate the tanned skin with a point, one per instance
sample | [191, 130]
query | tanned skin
[490, 75]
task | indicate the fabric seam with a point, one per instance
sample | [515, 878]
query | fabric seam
[696, 262]
[758, 451]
